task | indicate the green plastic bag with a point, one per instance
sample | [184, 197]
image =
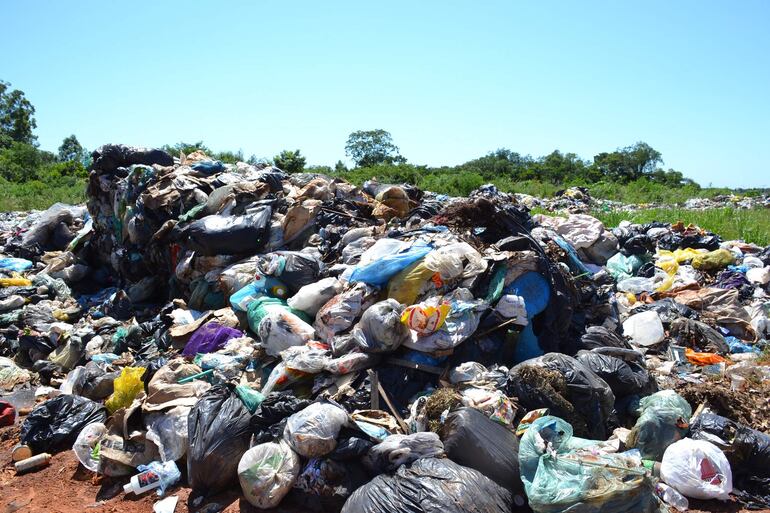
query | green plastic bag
[251, 398]
[127, 387]
[622, 267]
[663, 420]
[713, 260]
[561, 473]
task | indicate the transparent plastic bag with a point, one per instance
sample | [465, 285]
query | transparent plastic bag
[85, 444]
[397, 450]
[267, 473]
[448, 261]
[313, 431]
[380, 329]
[168, 430]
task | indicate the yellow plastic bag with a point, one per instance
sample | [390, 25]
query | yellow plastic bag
[670, 266]
[679, 255]
[425, 319]
[127, 386]
[15, 282]
[405, 286]
[713, 260]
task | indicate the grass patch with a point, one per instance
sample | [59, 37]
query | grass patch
[750, 225]
[36, 195]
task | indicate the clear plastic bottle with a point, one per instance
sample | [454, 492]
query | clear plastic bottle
[671, 497]
[155, 475]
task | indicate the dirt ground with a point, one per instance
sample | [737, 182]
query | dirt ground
[66, 487]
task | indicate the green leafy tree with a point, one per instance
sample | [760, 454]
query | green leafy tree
[290, 161]
[340, 167]
[629, 163]
[20, 162]
[17, 117]
[186, 148]
[229, 157]
[372, 147]
[71, 150]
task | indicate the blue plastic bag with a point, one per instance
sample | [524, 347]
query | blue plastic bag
[15, 264]
[737, 346]
[379, 272]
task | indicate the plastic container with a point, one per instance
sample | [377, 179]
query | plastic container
[35, 462]
[671, 497]
[155, 475]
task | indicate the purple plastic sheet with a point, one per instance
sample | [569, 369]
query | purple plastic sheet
[210, 337]
[731, 280]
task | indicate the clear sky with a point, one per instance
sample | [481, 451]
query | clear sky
[450, 80]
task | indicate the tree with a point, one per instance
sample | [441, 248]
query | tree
[290, 161]
[372, 147]
[20, 162]
[340, 167]
[629, 163]
[185, 148]
[17, 117]
[71, 150]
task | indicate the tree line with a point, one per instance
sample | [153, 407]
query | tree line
[373, 153]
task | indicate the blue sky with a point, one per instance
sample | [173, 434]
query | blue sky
[450, 80]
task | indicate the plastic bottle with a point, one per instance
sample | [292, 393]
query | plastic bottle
[672, 497]
[32, 463]
[155, 475]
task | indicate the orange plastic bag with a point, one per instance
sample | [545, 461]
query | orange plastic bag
[702, 358]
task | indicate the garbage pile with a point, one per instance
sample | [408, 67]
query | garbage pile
[578, 200]
[381, 348]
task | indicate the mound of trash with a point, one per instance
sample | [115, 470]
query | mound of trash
[311, 343]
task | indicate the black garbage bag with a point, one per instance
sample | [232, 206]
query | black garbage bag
[764, 255]
[673, 241]
[269, 419]
[748, 452]
[623, 370]
[699, 336]
[293, 268]
[669, 310]
[219, 433]
[430, 485]
[95, 382]
[569, 389]
[475, 441]
[228, 235]
[637, 245]
[111, 156]
[350, 448]
[599, 336]
[54, 425]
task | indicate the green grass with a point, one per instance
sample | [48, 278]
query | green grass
[37, 195]
[750, 225]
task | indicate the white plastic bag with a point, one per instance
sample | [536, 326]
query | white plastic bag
[645, 329]
[312, 297]
[448, 261]
[267, 472]
[313, 431]
[697, 469]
